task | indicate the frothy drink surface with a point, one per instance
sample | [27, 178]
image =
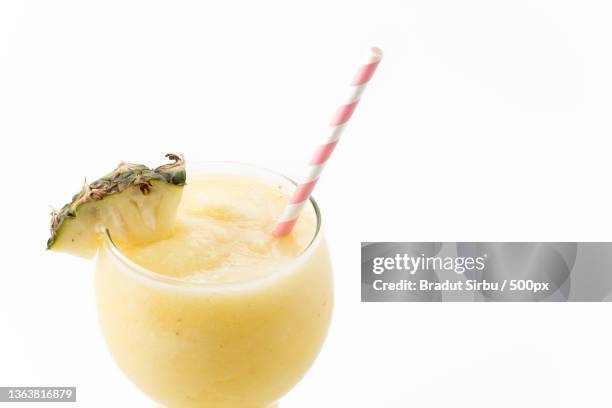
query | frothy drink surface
[222, 234]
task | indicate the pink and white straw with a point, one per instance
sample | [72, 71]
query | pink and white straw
[324, 151]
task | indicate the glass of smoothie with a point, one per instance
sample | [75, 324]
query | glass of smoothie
[220, 313]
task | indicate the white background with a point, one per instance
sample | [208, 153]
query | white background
[487, 120]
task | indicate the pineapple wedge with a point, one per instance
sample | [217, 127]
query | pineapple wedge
[135, 203]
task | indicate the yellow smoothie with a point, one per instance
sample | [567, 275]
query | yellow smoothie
[219, 314]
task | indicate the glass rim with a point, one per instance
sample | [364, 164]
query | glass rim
[149, 274]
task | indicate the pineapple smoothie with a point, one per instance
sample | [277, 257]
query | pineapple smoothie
[215, 312]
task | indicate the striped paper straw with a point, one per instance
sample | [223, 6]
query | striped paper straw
[323, 152]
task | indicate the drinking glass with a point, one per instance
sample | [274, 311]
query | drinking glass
[231, 345]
